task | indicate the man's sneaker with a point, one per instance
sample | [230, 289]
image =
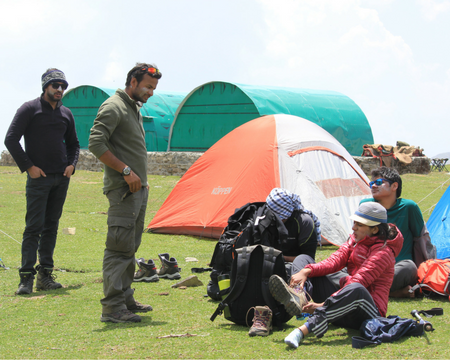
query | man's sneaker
[295, 338]
[45, 280]
[262, 321]
[138, 307]
[293, 299]
[122, 316]
[26, 284]
[146, 272]
[169, 267]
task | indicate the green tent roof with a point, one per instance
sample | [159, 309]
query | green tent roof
[214, 109]
[158, 113]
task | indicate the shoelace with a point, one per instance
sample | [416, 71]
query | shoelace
[301, 293]
[49, 279]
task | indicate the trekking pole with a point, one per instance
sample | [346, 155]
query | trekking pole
[426, 324]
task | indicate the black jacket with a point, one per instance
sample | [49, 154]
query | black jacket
[51, 141]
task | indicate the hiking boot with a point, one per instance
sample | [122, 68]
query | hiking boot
[138, 307]
[262, 321]
[26, 284]
[122, 316]
[45, 280]
[146, 272]
[295, 338]
[169, 267]
[293, 299]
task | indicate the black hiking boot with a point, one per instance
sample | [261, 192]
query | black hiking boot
[169, 267]
[26, 284]
[45, 280]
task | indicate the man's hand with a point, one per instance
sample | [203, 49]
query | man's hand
[35, 172]
[133, 181]
[69, 171]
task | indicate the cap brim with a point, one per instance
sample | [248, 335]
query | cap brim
[364, 221]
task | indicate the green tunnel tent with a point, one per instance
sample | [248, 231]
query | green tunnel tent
[212, 110]
[158, 113]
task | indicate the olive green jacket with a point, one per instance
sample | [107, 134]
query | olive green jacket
[118, 127]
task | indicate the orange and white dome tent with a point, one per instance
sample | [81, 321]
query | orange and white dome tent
[245, 165]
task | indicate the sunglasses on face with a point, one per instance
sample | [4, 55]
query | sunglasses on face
[379, 182]
[57, 85]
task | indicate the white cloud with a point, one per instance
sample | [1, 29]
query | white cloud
[343, 46]
[431, 8]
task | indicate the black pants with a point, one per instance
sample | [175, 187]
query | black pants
[45, 201]
[348, 308]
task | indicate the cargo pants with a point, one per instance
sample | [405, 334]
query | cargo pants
[126, 216]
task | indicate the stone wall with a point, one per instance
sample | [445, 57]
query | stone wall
[419, 165]
[159, 163]
[177, 163]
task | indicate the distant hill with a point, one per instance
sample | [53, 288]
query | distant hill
[442, 156]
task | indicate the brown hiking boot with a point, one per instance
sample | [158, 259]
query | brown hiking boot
[138, 307]
[262, 321]
[46, 281]
[122, 316]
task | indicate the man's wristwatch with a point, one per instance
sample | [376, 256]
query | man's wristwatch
[126, 171]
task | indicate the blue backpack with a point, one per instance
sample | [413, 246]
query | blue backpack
[381, 329]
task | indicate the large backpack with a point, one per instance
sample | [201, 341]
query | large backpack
[434, 277]
[249, 285]
[251, 224]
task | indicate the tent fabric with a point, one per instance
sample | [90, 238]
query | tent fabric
[439, 226]
[244, 166]
[158, 113]
[212, 110]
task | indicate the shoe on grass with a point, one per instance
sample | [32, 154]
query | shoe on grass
[26, 284]
[122, 316]
[146, 272]
[46, 280]
[169, 267]
[295, 338]
[138, 307]
[292, 299]
[262, 321]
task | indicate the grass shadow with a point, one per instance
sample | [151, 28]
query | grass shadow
[146, 321]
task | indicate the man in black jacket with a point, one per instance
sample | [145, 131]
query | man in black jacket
[50, 156]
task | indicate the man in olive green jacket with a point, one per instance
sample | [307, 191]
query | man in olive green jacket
[117, 139]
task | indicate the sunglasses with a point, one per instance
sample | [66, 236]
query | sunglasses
[151, 70]
[379, 182]
[57, 85]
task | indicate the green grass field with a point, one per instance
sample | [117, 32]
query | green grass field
[65, 323]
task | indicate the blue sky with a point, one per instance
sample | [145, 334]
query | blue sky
[392, 57]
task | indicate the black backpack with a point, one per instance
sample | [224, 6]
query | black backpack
[249, 285]
[251, 224]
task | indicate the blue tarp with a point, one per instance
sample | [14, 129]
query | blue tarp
[439, 226]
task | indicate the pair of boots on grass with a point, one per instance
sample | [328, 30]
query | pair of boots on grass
[45, 281]
[148, 272]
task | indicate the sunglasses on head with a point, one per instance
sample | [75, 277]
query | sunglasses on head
[57, 85]
[379, 182]
[151, 70]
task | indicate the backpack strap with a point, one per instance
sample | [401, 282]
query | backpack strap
[359, 342]
[432, 312]
[243, 262]
[270, 257]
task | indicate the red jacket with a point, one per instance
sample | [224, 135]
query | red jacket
[368, 262]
